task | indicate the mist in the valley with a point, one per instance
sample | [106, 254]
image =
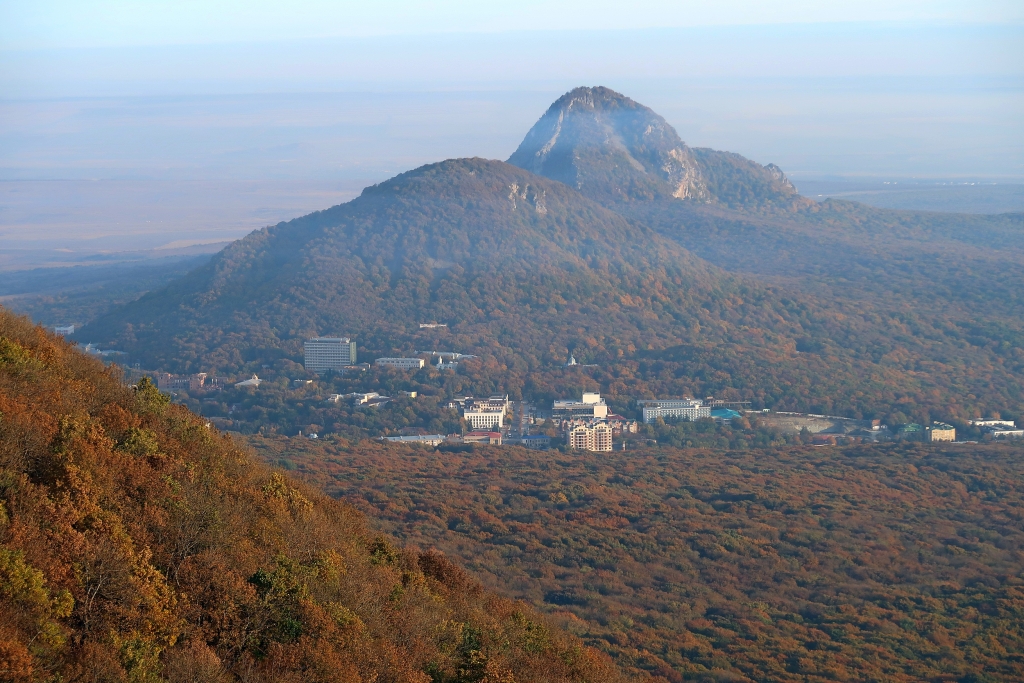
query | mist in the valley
[127, 149]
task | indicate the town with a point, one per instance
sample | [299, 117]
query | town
[585, 422]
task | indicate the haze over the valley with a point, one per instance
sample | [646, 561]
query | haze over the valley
[128, 136]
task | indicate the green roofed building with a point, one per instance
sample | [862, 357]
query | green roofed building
[911, 432]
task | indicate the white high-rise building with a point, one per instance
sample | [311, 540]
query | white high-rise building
[329, 353]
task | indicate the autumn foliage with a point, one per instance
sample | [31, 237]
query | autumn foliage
[893, 562]
[138, 544]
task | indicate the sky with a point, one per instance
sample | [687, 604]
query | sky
[117, 23]
[304, 102]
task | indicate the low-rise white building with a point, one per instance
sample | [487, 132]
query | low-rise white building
[680, 408]
[992, 422]
[429, 439]
[591, 405]
[400, 363]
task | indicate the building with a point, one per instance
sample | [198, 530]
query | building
[428, 439]
[1006, 432]
[911, 432]
[408, 394]
[537, 442]
[323, 354]
[64, 329]
[168, 382]
[441, 365]
[993, 422]
[492, 403]
[724, 414]
[589, 406]
[253, 381]
[488, 438]
[400, 363]
[679, 408]
[357, 399]
[595, 438]
[621, 425]
[432, 326]
[940, 431]
[484, 418]
[460, 403]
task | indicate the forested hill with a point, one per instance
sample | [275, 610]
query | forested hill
[524, 270]
[489, 248]
[614, 149]
[137, 544]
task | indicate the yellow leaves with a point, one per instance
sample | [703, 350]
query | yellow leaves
[139, 442]
[25, 587]
[342, 616]
[20, 582]
[278, 489]
[140, 657]
[16, 358]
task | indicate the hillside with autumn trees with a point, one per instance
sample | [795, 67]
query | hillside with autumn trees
[892, 562]
[137, 544]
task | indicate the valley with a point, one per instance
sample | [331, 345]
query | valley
[896, 562]
[187, 494]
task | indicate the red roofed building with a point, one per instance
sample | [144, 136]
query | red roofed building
[490, 438]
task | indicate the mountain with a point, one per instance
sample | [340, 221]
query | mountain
[718, 205]
[138, 544]
[611, 148]
[502, 255]
[524, 269]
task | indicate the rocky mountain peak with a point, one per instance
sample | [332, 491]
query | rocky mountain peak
[604, 143]
[614, 149]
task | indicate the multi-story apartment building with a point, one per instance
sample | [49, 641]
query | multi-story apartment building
[590, 406]
[940, 431]
[400, 363]
[323, 354]
[595, 438]
[484, 418]
[680, 408]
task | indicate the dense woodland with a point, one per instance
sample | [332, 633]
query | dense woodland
[866, 563]
[523, 278]
[137, 544]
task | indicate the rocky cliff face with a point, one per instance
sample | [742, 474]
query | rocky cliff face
[603, 143]
[614, 149]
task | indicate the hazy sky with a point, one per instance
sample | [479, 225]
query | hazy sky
[34, 24]
[310, 100]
